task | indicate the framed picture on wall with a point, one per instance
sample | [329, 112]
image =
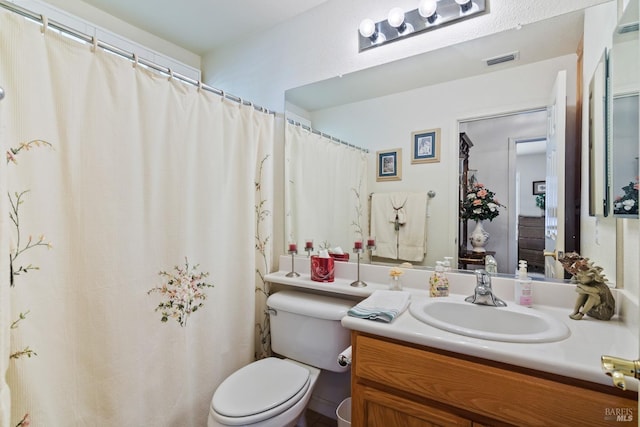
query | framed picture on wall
[539, 187]
[389, 165]
[425, 146]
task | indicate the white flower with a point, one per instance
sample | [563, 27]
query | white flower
[492, 206]
[628, 204]
[471, 196]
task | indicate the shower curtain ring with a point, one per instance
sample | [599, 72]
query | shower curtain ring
[45, 24]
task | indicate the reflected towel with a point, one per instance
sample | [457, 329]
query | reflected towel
[412, 237]
[382, 305]
[382, 217]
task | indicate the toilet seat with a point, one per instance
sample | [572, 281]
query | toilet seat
[260, 390]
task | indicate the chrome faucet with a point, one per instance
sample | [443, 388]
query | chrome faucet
[483, 294]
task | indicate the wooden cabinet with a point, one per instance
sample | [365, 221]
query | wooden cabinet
[531, 242]
[400, 384]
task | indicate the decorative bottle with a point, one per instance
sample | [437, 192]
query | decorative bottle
[438, 282]
[523, 291]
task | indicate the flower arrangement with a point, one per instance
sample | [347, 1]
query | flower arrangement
[540, 200]
[184, 292]
[480, 203]
[627, 204]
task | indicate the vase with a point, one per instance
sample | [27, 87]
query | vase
[395, 283]
[479, 238]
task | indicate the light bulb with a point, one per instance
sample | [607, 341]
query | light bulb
[396, 17]
[367, 27]
[427, 9]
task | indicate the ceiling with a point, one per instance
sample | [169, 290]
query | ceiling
[203, 25]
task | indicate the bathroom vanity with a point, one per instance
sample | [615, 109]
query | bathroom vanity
[409, 373]
[401, 384]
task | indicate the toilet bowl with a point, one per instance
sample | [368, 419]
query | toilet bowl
[271, 392]
[274, 392]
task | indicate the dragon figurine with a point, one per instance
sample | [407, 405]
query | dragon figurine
[595, 298]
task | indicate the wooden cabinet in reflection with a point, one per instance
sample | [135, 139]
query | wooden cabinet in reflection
[531, 242]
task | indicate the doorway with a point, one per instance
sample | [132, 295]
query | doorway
[495, 162]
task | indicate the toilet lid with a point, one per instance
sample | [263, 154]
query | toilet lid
[258, 387]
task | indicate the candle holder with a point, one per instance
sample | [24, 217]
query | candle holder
[293, 250]
[308, 247]
[357, 249]
[371, 246]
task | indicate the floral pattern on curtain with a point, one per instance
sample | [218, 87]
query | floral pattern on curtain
[147, 172]
[325, 190]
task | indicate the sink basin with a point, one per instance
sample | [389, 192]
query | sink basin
[513, 323]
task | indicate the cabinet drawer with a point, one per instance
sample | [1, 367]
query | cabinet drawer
[531, 255]
[529, 243]
[501, 394]
[531, 221]
[533, 233]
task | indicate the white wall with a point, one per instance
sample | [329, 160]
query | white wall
[532, 168]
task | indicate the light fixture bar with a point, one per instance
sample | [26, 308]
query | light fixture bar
[447, 12]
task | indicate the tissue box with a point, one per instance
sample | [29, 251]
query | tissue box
[322, 269]
[340, 257]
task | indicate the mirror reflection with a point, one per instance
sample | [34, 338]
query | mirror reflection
[625, 72]
[381, 118]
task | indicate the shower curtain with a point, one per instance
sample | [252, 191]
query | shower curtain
[325, 195]
[143, 173]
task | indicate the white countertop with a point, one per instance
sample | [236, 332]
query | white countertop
[577, 356]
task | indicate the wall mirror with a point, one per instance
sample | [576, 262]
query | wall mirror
[379, 108]
[598, 139]
[624, 116]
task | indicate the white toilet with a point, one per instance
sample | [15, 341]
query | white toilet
[274, 392]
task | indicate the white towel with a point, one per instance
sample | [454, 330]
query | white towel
[410, 242]
[413, 234]
[382, 305]
[386, 238]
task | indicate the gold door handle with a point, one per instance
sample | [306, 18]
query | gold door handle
[557, 255]
[618, 368]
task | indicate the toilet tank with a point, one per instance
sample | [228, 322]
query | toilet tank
[306, 327]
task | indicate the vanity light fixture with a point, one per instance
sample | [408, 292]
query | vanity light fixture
[429, 15]
[368, 30]
[428, 10]
[397, 20]
[465, 5]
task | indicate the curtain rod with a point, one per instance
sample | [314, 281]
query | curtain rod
[125, 54]
[332, 138]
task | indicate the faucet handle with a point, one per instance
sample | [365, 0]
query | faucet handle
[483, 278]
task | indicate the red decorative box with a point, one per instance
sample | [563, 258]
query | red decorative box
[321, 269]
[340, 257]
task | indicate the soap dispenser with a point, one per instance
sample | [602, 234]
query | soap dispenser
[523, 291]
[438, 282]
[448, 261]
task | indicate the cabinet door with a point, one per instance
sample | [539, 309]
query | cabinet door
[384, 410]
